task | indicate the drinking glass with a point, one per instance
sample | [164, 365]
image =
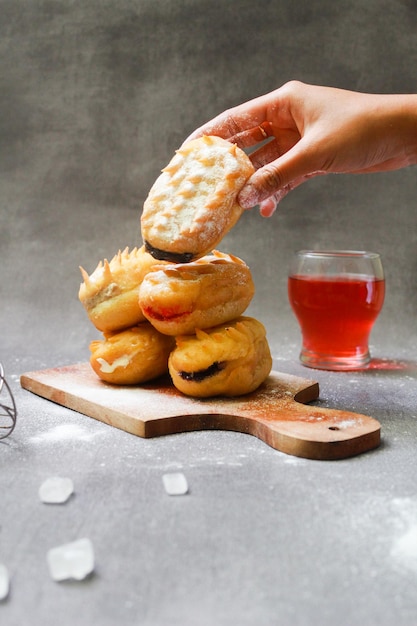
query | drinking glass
[336, 296]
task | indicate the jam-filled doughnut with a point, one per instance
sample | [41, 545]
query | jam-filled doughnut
[177, 299]
[110, 293]
[192, 204]
[229, 360]
[132, 356]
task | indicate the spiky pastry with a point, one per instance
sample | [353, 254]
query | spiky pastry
[132, 356]
[228, 360]
[110, 293]
[179, 298]
[192, 204]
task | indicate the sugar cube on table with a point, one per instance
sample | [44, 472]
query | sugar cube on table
[71, 560]
[4, 582]
[175, 483]
[56, 490]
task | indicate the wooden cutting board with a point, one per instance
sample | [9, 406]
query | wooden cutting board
[275, 413]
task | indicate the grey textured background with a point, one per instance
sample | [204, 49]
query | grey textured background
[95, 95]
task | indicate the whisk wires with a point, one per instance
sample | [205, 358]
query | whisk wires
[8, 412]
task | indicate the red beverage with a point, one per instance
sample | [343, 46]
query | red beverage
[336, 315]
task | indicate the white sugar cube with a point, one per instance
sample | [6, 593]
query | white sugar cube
[71, 560]
[175, 484]
[4, 582]
[56, 490]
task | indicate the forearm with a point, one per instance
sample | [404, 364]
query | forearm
[350, 132]
[402, 124]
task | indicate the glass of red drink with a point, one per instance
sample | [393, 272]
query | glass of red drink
[336, 296]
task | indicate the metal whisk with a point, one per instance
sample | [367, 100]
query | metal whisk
[8, 412]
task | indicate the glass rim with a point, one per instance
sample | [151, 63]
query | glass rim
[339, 253]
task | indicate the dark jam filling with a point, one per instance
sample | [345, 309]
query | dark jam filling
[200, 375]
[173, 257]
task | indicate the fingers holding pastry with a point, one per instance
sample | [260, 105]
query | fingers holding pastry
[238, 124]
[252, 136]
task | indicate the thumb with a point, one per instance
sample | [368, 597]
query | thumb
[279, 177]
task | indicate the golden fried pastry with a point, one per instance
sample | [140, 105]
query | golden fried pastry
[192, 204]
[110, 293]
[132, 356]
[177, 299]
[228, 360]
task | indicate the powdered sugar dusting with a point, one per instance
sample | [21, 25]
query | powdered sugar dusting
[404, 549]
[404, 546]
[349, 423]
[194, 197]
[63, 432]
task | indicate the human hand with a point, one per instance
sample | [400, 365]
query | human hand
[315, 130]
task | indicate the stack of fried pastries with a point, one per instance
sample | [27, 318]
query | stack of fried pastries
[183, 318]
[175, 305]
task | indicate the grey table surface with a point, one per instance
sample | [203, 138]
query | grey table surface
[95, 97]
[261, 538]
